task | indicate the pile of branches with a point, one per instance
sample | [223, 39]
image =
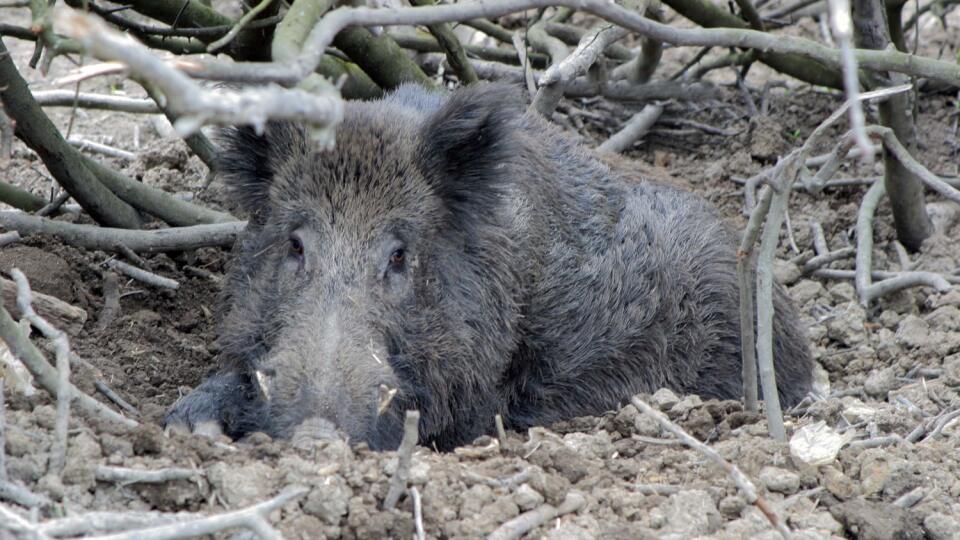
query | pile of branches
[300, 60]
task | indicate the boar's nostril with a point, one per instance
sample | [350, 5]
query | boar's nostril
[386, 396]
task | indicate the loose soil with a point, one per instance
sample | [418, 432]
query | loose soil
[886, 370]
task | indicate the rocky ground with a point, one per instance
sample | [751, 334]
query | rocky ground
[890, 374]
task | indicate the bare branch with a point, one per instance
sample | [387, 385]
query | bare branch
[637, 127]
[69, 98]
[193, 105]
[123, 475]
[527, 521]
[142, 275]
[252, 517]
[108, 239]
[411, 435]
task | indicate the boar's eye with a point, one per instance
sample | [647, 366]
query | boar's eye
[397, 259]
[296, 245]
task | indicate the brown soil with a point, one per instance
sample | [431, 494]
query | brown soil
[161, 344]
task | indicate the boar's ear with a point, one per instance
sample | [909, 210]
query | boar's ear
[466, 144]
[247, 162]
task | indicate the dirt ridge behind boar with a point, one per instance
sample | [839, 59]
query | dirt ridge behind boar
[476, 260]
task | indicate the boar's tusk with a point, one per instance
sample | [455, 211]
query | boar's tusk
[262, 383]
[386, 396]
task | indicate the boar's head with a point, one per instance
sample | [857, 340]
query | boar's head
[371, 275]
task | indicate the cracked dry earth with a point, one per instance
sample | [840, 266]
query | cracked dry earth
[891, 375]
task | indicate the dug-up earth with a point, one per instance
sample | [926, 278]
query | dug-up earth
[890, 374]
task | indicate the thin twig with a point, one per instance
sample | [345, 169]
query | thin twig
[398, 484]
[417, 514]
[739, 479]
[501, 432]
[104, 149]
[842, 25]
[194, 105]
[636, 127]
[123, 476]
[85, 100]
[142, 276]
[527, 521]
[237, 28]
[107, 239]
[251, 517]
[746, 263]
[9, 491]
[110, 394]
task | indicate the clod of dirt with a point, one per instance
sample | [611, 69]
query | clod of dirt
[48, 272]
[869, 520]
[245, 484]
[880, 382]
[767, 142]
[780, 480]
[941, 527]
[527, 498]
[690, 513]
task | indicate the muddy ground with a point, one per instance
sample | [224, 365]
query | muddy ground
[885, 371]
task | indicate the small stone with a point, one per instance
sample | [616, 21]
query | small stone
[856, 411]
[419, 472]
[950, 298]
[913, 332]
[45, 416]
[785, 272]
[944, 318]
[780, 480]
[843, 292]
[51, 485]
[242, 485]
[116, 446]
[951, 372]
[732, 505]
[623, 422]
[878, 520]
[877, 467]
[657, 518]
[838, 484]
[646, 426]
[941, 527]
[19, 444]
[880, 382]
[685, 405]
[527, 498]
[474, 499]
[806, 290]
[328, 501]
[664, 399]
[84, 447]
[847, 326]
[691, 513]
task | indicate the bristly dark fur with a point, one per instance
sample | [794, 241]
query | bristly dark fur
[533, 281]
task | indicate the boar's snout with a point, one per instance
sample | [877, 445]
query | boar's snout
[335, 372]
